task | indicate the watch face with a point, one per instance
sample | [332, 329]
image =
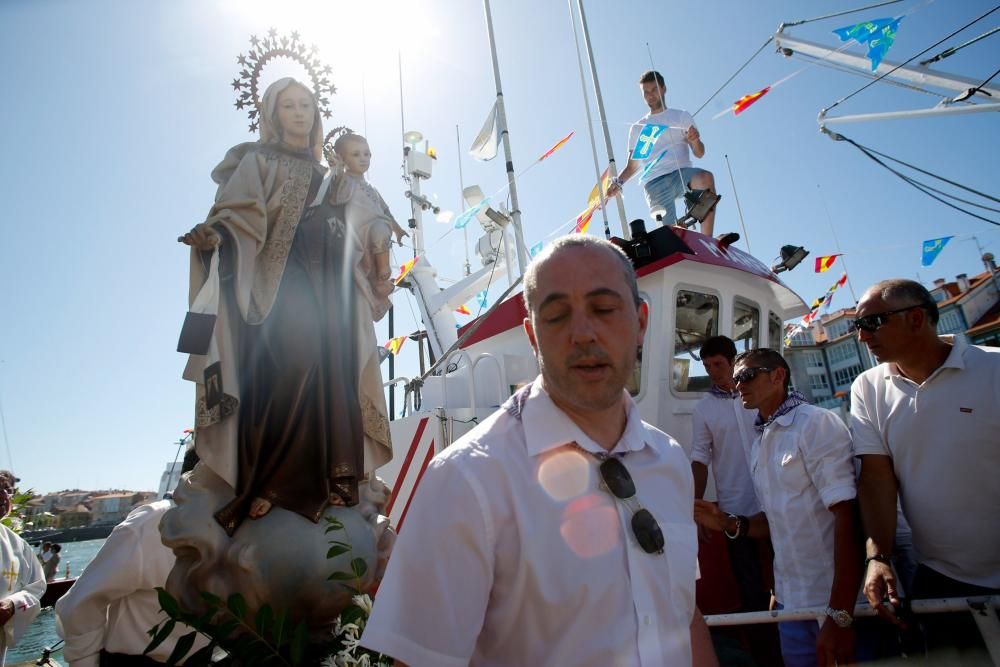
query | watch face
[840, 617]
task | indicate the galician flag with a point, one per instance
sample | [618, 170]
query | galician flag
[395, 343]
[932, 248]
[824, 263]
[878, 35]
[644, 144]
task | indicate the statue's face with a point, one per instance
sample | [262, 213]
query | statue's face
[296, 113]
[357, 157]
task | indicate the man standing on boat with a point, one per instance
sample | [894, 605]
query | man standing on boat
[665, 136]
[21, 580]
[558, 531]
[925, 425]
[803, 472]
[722, 435]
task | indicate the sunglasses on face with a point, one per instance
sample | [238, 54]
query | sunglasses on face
[871, 323]
[748, 374]
[619, 482]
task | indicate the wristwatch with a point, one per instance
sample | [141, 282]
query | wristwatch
[840, 617]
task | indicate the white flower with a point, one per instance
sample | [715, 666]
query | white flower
[364, 602]
[329, 661]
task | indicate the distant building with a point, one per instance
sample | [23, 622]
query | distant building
[970, 306]
[112, 508]
[169, 479]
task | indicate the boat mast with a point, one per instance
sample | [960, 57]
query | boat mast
[612, 167]
[515, 213]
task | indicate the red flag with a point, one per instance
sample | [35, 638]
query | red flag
[741, 104]
[405, 269]
[583, 220]
[558, 145]
[842, 281]
[395, 343]
[824, 263]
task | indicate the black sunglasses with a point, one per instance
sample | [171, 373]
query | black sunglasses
[748, 374]
[871, 323]
[619, 482]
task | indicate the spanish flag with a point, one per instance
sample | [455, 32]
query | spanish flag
[463, 310]
[824, 263]
[559, 144]
[740, 105]
[395, 343]
[405, 269]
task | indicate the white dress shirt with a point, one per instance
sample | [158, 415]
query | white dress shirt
[113, 605]
[722, 436]
[22, 583]
[802, 465]
[513, 555]
[944, 439]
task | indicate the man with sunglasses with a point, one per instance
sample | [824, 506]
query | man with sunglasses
[926, 426]
[802, 468]
[558, 531]
[22, 583]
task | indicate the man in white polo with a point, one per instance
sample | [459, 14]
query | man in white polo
[926, 425]
[559, 531]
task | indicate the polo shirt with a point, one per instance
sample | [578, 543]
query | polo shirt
[722, 436]
[802, 465]
[944, 439]
[512, 554]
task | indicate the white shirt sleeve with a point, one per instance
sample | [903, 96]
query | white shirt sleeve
[82, 613]
[867, 438]
[29, 589]
[431, 606]
[826, 453]
[701, 436]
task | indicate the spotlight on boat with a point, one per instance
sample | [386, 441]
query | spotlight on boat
[412, 138]
[791, 255]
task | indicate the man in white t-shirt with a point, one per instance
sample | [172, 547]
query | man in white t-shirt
[664, 137]
[803, 472]
[926, 424]
[558, 531]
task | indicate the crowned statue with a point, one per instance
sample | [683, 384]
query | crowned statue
[289, 272]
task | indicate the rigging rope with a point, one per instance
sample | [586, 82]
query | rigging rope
[950, 51]
[848, 11]
[846, 69]
[736, 73]
[933, 175]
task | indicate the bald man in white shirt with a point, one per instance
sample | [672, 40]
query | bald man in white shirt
[559, 531]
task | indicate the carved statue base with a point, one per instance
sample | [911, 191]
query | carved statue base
[279, 559]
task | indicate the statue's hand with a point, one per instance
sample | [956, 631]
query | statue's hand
[399, 232]
[202, 237]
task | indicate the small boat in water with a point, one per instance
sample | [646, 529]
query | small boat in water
[55, 590]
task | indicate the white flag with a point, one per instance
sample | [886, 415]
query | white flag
[484, 148]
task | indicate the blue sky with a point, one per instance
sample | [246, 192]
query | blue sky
[117, 112]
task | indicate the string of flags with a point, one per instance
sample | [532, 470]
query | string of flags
[821, 304]
[593, 203]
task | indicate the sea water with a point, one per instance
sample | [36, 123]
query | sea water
[42, 633]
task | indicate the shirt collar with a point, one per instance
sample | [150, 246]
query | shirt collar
[546, 427]
[955, 358]
[719, 392]
[783, 415]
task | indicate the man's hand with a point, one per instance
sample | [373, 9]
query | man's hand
[880, 583]
[6, 612]
[202, 237]
[835, 645]
[709, 515]
[693, 136]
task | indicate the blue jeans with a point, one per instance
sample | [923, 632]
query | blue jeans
[798, 642]
[663, 191]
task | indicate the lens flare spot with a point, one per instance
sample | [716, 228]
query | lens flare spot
[591, 526]
[564, 474]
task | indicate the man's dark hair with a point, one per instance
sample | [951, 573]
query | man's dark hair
[8, 480]
[190, 460]
[900, 293]
[57, 548]
[765, 357]
[717, 346]
[650, 76]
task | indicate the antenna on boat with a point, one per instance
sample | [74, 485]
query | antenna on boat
[590, 125]
[515, 213]
[461, 200]
[739, 210]
[836, 243]
[612, 167]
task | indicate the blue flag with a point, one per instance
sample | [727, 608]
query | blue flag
[535, 249]
[644, 144]
[464, 219]
[932, 248]
[481, 298]
[878, 35]
[649, 167]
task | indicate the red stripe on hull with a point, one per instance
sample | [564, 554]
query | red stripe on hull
[406, 464]
[423, 468]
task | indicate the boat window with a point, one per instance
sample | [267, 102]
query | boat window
[634, 382]
[697, 319]
[746, 324]
[774, 329]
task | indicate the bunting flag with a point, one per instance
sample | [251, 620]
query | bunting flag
[824, 263]
[188, 431]
[535, 249]
[649, 167]
[644, 143]
[395, 344]
[466, 217]
[931, 248]
[462, 310]
[481, 298]
[595, 195]
[583, 220]
[405, 269]
[559, 144]
[740, 105]
[842, 281]
[878, 35]
[484, 147]
[821, 303]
